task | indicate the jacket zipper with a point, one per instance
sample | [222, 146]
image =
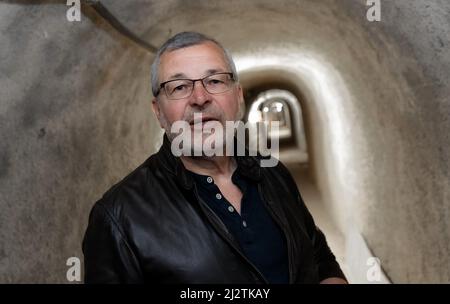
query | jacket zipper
[225, 236]
[283, 228]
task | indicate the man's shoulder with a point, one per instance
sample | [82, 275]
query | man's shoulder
[131, 187]
[271, 164]
[277, 171]
[268, 167]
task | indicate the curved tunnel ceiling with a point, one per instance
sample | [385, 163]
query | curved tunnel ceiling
[374, 96]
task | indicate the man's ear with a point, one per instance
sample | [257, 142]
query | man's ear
[156, 110]
[241, 95]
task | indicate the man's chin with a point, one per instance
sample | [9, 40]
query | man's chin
[206, 146]
[197, 143]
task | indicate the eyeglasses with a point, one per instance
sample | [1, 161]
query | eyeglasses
[183, 88]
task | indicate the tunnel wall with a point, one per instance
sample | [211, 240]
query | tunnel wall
[375, 96]
[75, 117]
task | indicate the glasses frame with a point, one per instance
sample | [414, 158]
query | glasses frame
[193, 81]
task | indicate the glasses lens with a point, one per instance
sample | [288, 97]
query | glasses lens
[182, 88]
[217, 83]
[178, 89]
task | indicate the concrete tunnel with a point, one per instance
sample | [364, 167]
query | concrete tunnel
[367, 104]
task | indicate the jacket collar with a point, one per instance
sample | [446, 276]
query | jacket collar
[247, 166]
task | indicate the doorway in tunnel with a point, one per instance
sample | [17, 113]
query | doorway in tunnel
[277, 100]
[283, 107]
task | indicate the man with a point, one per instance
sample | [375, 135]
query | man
[203, 219]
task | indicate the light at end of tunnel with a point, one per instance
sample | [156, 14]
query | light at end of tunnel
[254, 116]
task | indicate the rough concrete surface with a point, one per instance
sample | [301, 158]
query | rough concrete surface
[75, 117]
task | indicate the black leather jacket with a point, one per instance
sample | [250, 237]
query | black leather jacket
[152, 228]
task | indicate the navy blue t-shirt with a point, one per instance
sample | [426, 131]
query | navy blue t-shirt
[258, 235]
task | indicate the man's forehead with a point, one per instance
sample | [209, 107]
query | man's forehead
[206, 73]
[204, 59]
[203, 49]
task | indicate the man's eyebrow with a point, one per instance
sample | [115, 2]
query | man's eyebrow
[213, 71]
[178, 75]
[184, 76]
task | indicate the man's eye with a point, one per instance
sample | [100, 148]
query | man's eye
[215, 81]
[180, 88]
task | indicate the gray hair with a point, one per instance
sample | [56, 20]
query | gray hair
[183, 40]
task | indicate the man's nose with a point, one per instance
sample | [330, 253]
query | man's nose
[199, 94]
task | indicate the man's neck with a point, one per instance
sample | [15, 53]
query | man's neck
[212, 166]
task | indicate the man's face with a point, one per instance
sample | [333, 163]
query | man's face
[196, 62]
